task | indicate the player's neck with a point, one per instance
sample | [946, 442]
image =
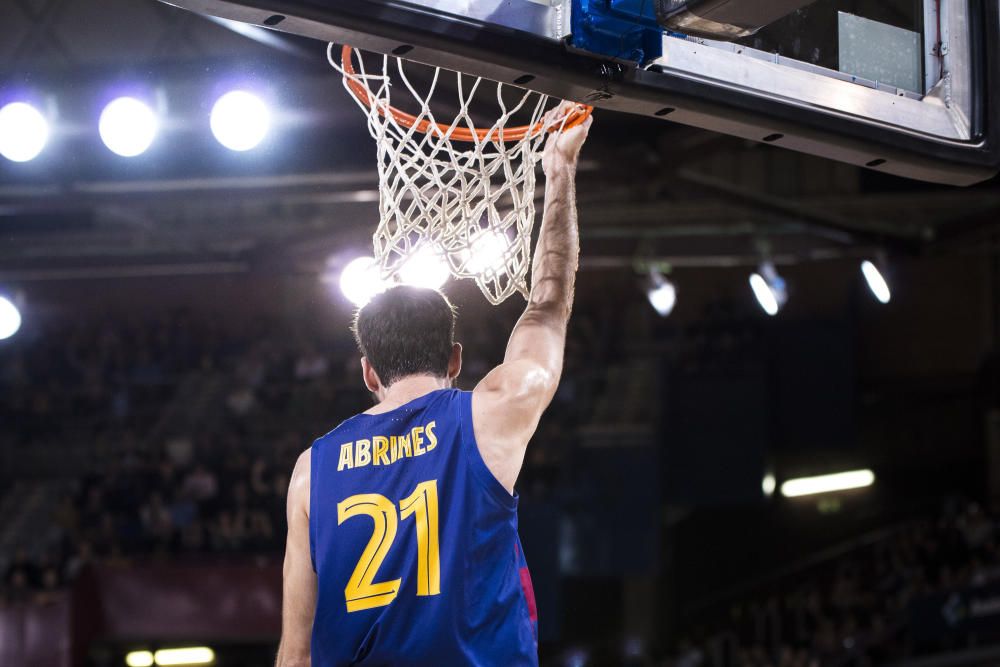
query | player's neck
[406, 389]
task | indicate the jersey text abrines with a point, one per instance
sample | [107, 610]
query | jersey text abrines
[386, 450]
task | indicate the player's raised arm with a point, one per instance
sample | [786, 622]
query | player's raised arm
[299, 594]
[510, 400]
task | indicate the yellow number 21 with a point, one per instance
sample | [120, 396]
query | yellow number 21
[362, 592]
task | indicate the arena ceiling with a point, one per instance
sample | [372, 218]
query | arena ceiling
[648, 189]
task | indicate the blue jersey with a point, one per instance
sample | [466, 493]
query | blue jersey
[415, 544]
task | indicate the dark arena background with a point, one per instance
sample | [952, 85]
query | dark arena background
[175, 330]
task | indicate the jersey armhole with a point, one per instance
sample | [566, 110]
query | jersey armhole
[313, 467]
[474, 457]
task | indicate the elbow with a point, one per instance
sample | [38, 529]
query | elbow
[544, 381]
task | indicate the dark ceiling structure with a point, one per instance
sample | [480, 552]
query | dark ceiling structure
[650, 191]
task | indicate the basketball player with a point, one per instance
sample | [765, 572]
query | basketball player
[402, 521]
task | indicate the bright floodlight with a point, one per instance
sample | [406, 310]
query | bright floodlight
[769, 288]
[487, 252]
[662, 294]
[427, 267]
[128, 126]
[361, 280]
[240, 120]
[23, 132]
[10, 318]
[841, 481]
[195, 655]
[876, 282]
[139, 659]
[765, 297]
[768, 484]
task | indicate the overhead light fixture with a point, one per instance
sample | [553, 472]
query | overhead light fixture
[23, 132]
[10, 318]
[769, 288]
[240, 120]
[876, 281]
[139, 659]
[841, 481]
[488, 252]
[361, 280]
[661, 292]
[194, 655]
[768, 484]
[426, 267]
[128, 126]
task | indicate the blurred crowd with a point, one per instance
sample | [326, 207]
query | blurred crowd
[190, 431]
[858, 608]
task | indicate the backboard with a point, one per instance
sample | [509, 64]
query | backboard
[907, 87]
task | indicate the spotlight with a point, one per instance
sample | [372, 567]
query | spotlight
[575, 657]
[361, 280]
[769, 288]
[841, 481]
[661, 293]
[23, 132]
[240, 120]
[876, 282]
[768, 484]
[195, 655]
[139, 659]
[427, 267]
[488, 252]
[128, 126]
[10, 318]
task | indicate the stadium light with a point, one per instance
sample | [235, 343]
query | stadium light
[841, 481]
[662, 293]
[769, 288]
[23, 132]
[128, 126]
[361, 280]
[426, 267]
[10, 318]
[576, 657]
[876, 281]
[194, 655]
[240, 120]
[487, 252]
[139, 659]
[768, 484]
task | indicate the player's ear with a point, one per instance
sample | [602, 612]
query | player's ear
[370, 376]
[455, 361]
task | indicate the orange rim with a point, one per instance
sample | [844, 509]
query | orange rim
[574, 118]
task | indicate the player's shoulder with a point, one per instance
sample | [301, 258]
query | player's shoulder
[514, 382]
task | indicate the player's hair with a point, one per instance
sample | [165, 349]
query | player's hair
[406, 331]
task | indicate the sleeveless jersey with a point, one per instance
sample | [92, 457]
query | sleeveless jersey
[415, 544]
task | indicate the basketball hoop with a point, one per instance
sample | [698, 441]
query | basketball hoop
[462, 192]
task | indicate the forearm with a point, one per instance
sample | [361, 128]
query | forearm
[540, 332]
[553, 271]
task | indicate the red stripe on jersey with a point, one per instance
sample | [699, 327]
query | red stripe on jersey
[529, 594]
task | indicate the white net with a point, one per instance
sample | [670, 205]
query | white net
[454, 191]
